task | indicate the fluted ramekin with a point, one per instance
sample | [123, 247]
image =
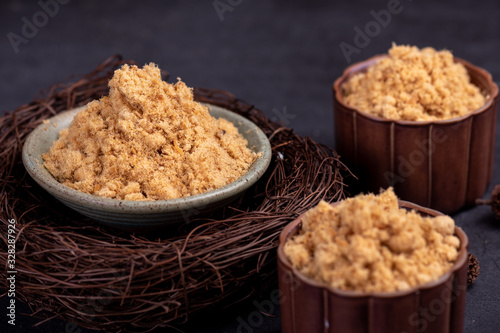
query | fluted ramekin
[444, 165]
[310, 306]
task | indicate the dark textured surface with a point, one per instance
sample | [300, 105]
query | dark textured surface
[280, 55]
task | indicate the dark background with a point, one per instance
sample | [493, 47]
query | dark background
[280, 55]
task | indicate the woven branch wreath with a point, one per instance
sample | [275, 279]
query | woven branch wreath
[71, 268]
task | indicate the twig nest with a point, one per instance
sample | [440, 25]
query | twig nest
[132, 283]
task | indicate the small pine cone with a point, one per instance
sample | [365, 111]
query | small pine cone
[473, 269]
[494, 202]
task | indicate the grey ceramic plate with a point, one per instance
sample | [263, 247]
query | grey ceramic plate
[143, 215]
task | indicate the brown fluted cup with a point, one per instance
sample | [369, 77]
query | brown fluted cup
[444, 165]
[309, 306]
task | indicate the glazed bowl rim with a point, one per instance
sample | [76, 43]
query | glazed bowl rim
[58, 190]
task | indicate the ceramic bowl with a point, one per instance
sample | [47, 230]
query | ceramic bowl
[143, 215]
[444, 164]
[435, 307]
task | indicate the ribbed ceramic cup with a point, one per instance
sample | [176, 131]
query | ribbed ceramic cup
[444, 164]
[309, 306]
